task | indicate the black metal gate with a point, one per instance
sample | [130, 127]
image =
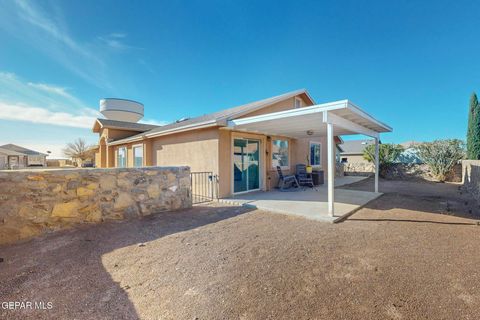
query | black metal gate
[203, 186]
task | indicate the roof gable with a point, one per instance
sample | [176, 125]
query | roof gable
[22, 150]
[355, 146]
[122, 125]
[7, 152]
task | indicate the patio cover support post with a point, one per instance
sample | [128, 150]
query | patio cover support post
[331, 169]
[377, 165]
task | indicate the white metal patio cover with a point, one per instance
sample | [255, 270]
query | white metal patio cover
[330, 119]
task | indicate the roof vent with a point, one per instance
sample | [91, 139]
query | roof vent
[121, 109]
[182, 119]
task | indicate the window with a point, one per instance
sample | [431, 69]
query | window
[315, 153]
[138, 156]
[280, 153]
[344, 160]
[298, 103]
[122, 157]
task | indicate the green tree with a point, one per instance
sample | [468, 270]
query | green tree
[388, 154]
[473, 130]
[441, 156]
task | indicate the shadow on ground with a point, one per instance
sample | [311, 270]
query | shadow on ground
[433, 199]
[70, 263]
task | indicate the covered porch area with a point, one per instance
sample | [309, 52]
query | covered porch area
[327, 120]
[308, 203]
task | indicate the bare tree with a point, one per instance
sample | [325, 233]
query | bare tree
[78, 150]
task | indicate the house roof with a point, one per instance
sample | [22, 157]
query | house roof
[410, 144]
[216, 118]
[10, 152]
[22, 150]
[122, 125]
[355, 146]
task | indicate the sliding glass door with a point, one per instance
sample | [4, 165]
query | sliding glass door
[246, 165]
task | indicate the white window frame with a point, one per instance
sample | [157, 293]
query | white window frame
[143, 154]
[289, 157]
[310, 153]
[126, 157]
[299, 103]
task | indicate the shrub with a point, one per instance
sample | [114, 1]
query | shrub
[441, 156]
[388, 154]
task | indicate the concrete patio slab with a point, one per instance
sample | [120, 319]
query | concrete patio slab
[308, 203]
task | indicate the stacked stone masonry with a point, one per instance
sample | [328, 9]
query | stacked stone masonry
[38, 201]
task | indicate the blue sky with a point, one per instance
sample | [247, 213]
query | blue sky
[412, 64]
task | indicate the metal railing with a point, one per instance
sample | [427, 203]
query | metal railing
[203, 186]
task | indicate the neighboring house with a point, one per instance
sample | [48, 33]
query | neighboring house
[243, 145]
[352, 151]
[410, 154]
[16, 157]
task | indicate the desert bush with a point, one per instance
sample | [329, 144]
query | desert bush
[388, 154]
[441, 156]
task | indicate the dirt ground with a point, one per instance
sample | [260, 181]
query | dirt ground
[414, 253]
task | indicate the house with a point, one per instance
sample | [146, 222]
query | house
[242, 145]
[352, 151]
[16, 157]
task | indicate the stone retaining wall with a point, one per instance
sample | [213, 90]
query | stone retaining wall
[471, 177]
[33, 202]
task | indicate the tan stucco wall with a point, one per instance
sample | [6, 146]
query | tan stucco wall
[357, 158]
[279, 106]
[98, 162]
[120, 134]
[224, 162]
[197, 149]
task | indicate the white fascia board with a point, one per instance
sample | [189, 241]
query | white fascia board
[200, 125]
[289, 113]
[348, 125]
[124, 141]
[354, 108]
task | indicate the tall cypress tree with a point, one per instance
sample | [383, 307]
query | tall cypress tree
[473, 131]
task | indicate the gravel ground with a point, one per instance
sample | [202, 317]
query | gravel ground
[411, 254]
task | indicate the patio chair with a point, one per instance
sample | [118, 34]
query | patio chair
[303, 178]
[284, 181]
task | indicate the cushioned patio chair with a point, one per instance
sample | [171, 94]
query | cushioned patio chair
[304, 179]
[285, 182]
